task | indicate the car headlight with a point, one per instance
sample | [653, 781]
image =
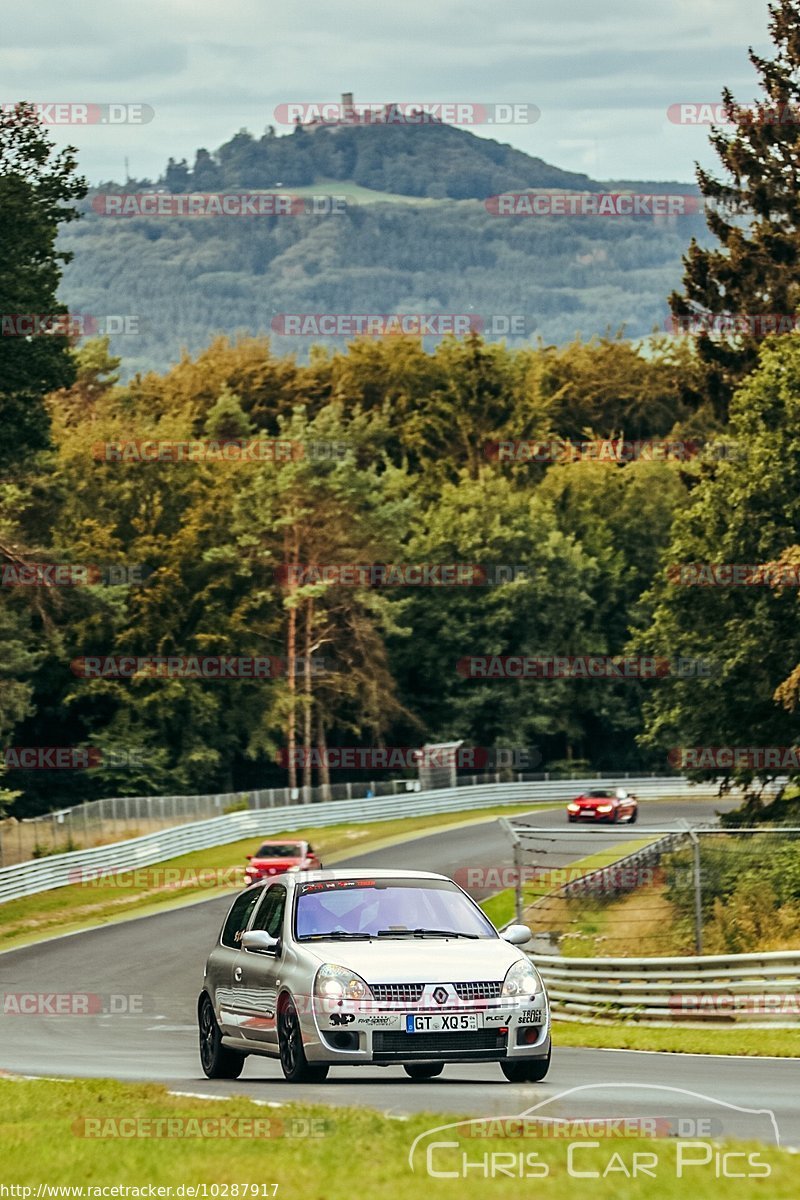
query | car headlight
[335, 982]
[573, 807]
[522, 980]
[605, 808]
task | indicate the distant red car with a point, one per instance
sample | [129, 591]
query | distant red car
[601, 804]
[275, 858]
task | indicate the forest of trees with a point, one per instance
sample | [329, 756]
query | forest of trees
[183, 277]
[431, 160]
[414, 479]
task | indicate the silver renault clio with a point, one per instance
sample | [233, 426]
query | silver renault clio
[320, 968]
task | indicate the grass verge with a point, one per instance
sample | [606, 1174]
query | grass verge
[357, 194]
[202, 875]
[44, 1127]
[752, 1043]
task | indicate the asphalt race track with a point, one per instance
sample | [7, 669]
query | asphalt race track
[160, 958]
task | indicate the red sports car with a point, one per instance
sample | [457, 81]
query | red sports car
[275, 858]
[601, 804]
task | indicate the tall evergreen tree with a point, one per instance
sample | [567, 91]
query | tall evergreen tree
[37, 192]
[754, 213]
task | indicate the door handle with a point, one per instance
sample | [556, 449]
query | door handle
[237, 974]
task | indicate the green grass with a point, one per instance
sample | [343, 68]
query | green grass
[354, 1151]
[358, 194]
[500, 908]
[151, 889]
[755, 1043]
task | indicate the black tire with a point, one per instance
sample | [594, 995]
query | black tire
[294, 1064]
[423, 1070]
[615, 816]
[217, 1061]
[532, 1071]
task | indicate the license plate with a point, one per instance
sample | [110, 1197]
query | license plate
[441, 1022]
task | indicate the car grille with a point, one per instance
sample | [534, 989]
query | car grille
[411, 993]
[403, 1045]
[402, 993]
[487, 989]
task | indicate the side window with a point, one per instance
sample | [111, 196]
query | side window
[310, 848]
[237, 918]
[270, 915]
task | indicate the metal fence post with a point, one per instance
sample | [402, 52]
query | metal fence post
[511, 832]
[698, 894]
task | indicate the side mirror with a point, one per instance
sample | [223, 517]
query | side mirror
[517, 935]
[249, 857]
[259, 940]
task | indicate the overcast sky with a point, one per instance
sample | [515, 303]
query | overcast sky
[603, 74]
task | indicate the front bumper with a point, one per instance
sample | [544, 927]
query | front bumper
[352, 1032]
[590, 814]
[253, 875]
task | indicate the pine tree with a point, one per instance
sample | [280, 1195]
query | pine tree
[754, 214]
[38, 189]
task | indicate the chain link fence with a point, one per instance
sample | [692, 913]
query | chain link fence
[611, 891]
[99, 822]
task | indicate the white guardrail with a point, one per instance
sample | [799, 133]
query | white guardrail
[43, 874]
[759, 990]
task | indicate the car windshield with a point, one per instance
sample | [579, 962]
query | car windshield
[280, 850]
[387, 908]
[600, 795]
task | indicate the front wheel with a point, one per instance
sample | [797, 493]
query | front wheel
[532, 1071]
[634, 816]
[296, 1067]
[216, 1060]
[423, 1070]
